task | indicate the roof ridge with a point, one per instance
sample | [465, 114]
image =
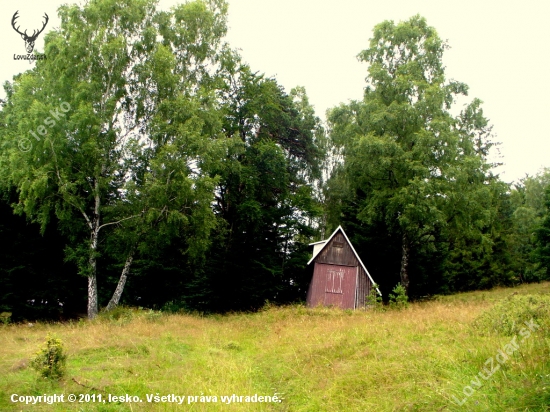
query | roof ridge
[352, 249]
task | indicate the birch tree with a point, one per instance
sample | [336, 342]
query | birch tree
[113, 132]
[409, 164]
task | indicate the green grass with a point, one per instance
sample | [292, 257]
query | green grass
[322, 359]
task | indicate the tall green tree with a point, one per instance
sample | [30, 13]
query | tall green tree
[411, 169]
[120, 126]
[264, 199]
[36, 282]
[528, 211]
[542, 252]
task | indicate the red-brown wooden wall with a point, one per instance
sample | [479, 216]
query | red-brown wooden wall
[338, 277]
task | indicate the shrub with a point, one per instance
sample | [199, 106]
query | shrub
[153, 315]
[51, 359]
[5, 317]
[120, 315]
[399, 298]
[373, 300]
[507, 317]
[175, 306]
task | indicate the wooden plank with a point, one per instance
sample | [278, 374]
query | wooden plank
[337, 252]
[333, 285]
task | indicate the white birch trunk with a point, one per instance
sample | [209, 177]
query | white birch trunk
[93, 308]
[115, 299]
[92, 277]
[405, 251]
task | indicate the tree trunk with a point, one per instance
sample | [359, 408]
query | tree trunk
[93, 308]
[92, 277]
[113, 303]
[405, 251]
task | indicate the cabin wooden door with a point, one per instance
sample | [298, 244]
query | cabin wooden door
[335, 285]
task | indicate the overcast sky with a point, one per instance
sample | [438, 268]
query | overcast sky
[499, 48]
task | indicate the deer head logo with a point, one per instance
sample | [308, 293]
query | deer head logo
[29, 40]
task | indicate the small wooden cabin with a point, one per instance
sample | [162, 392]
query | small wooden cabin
[339, 276]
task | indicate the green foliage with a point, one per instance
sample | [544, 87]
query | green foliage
[295, 350]
[163, 122]
[153, 316]
[542, 252]
[5, 318]
[175, 306]
[399, 298]
[207, 180]
[50, 361]
[121, 314]
[527, 217]
[33, 275]
[264, 197]
[126, 165]
[415, 179]
[373, 300]
[508, 316]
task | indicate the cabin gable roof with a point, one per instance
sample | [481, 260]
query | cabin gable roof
[318, 250]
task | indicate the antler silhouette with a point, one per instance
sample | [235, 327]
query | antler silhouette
[43, 26]
[15, 16]
[29, 40]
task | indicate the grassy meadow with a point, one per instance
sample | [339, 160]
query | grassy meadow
[419, 358]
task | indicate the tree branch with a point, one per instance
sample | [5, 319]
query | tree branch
[117, 222]
[63, 184]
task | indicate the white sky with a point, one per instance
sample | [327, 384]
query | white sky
[499, 48]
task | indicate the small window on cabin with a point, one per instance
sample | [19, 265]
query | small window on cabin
[339, 245]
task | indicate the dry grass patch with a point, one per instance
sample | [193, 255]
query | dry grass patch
[320, 359]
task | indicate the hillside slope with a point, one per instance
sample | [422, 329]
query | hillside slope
[427, 357]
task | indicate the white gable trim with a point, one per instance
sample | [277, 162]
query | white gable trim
[352, 248]
[326, 242]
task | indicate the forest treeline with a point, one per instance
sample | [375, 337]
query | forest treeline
[144, 163]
